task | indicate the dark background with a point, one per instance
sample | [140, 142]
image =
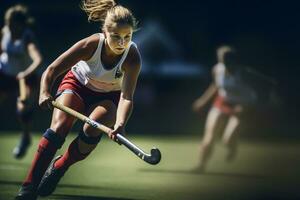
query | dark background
[265, 32]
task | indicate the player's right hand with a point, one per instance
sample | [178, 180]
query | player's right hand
[238, 109]
[197, 106]
[45, 101]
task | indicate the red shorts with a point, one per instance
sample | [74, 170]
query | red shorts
[89, 97]
[223, 106]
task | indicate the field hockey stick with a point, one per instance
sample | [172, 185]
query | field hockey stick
[22, 89]
[152, 158]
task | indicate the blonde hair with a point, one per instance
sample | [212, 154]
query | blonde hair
[18, 13]
[108, 12]
[223, 52]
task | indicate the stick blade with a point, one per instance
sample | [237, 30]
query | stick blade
[155, 157]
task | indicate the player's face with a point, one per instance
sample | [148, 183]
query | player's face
[118, 37]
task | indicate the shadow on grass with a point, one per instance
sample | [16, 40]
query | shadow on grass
[14, 164]
[206, 173]
[5, 182]
[2, 182]
[76, 197]
[68, 197]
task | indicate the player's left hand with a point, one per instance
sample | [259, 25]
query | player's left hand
[118, 129]
[21, 75]
[197, 106]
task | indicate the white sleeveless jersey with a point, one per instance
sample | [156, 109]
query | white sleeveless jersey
[14, 57]
[94, 76]
[220, 72]
[232, 87]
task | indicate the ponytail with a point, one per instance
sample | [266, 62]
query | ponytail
[20, 14]
[108, 12]
[97, 9]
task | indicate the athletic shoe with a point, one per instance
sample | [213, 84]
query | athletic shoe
[20, 150]
[50, 179]
[27, 192]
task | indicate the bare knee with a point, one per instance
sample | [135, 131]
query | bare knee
[104, 113]
[93, 132]
[62, 124]
[90, 131]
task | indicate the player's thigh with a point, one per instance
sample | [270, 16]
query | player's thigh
[103, 112]
[230, 132]
[62, 122]
[212, 124]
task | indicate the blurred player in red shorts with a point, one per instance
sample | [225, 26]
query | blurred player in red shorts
[230, 95]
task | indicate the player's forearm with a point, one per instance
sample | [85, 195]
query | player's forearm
[35, 64]
[208, 94]
[48, 78]
[35, 56]
[124, 111]
[54, 70]
[46, 81]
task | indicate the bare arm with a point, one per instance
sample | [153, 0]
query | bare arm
[82, 50]
[207, 95]
[131, 72]
[204, 99]
[36, 57]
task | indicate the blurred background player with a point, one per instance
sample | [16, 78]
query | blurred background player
[230, 95]
[102, 72]
[19, 59]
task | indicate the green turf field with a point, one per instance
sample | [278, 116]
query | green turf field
[262, 170]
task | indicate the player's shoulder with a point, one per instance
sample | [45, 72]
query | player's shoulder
[91, 40]
[88, 44]
[219, 67]
[133, 57]
[5, 29]
[134, 53]
[29, 36]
